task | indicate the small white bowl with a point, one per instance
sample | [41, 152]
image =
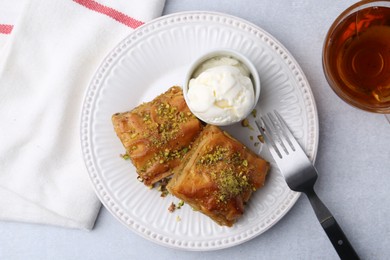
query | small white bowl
[254, 76]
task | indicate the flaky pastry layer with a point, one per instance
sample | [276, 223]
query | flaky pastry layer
[157, 134]
[218, 176]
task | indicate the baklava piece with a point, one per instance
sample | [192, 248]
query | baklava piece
[157, 134]
[218, 176]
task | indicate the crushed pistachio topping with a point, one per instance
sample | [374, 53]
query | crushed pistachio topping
[165, 126]
[245, 163]
[235, 159]
[146, 117]
[245, 122]
[133, 135]
[125, 156]
[233, 178]
[180, 204]
[231, 184]
[254, 113]
[161, 129]
[172, 207]
[165, 156]
[162, 187]
[215, 155]
[168, 154]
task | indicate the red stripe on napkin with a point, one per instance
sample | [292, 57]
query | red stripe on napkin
[6, 28]
[114, 14]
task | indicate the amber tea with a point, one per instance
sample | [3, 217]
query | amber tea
[357, 58]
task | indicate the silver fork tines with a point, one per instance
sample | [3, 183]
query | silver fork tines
[292, 161]
[278, 127]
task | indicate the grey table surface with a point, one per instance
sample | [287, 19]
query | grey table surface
[353, 160]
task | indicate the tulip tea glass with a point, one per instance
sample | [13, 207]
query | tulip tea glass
[356, 56]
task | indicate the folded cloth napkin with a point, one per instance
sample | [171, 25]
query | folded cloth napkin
[50, 55]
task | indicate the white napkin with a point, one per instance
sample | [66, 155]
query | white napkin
[46, 62]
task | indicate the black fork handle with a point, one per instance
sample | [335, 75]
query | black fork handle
[335, 234]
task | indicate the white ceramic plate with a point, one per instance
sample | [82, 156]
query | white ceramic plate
[148, 62]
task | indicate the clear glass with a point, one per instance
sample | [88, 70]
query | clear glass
[356, 56]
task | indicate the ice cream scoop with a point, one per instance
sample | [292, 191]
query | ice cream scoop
[222, 87]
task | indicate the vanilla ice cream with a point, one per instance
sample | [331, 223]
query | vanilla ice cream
[221, 91]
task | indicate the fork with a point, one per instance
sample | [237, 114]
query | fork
[301, 175]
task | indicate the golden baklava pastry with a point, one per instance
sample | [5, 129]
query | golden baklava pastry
[157, 134]
[218, 176]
